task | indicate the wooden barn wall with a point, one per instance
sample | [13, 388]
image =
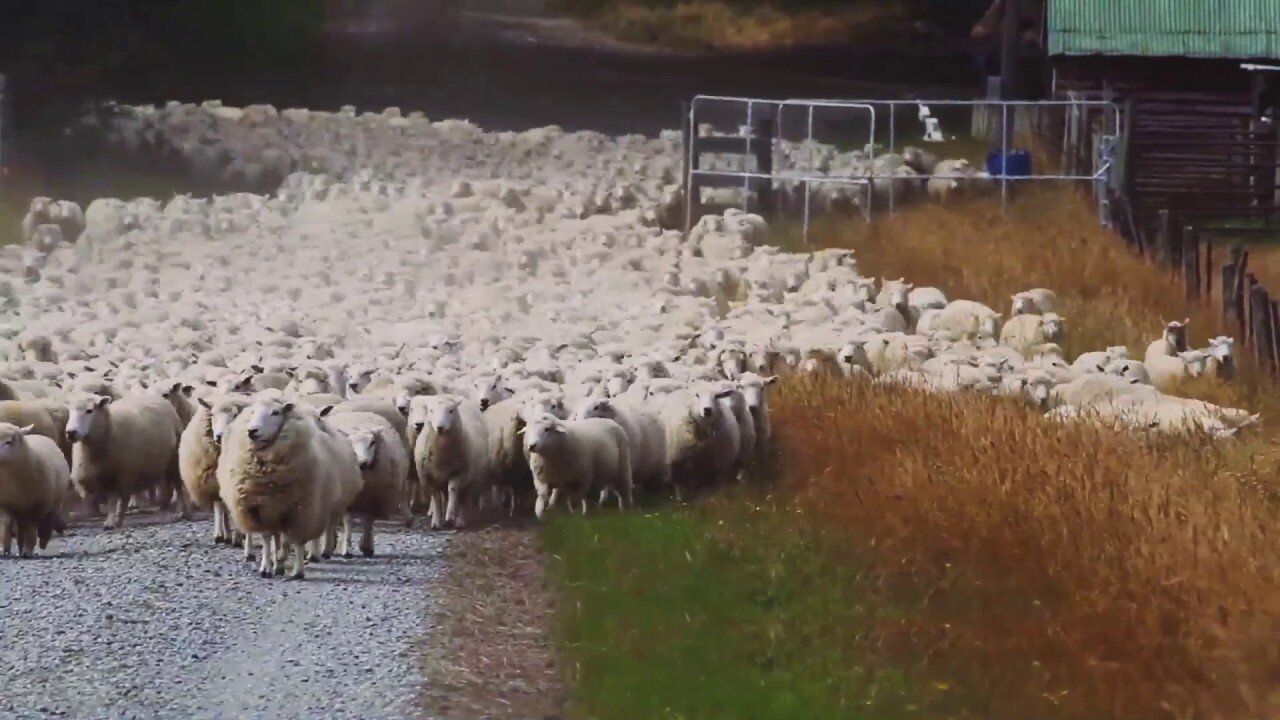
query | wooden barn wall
[1195, 146]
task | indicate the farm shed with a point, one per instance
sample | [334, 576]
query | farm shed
[1199, 112]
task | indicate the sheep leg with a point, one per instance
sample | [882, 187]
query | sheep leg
[6, 536]
[184, 505]
[315, 548]
[297, 572]
[268, 558]
[366, 536]
[330, 541]
[584, 503]
[115, 513]
[546, 498]
[218, 537]
[247, 540]
[604, 497]
[281, 551]
[344, 544]
[451, 509]
[26, 539]
[434, 511]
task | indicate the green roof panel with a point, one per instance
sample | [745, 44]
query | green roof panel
[1191, 28]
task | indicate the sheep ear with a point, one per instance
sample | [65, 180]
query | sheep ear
[204, 403]
[1186, 321]
[24, 431]
[324, 411]
[256, 368]
[104, 400]
[287, 408]
[211, 383]
[177, 387]
[188, 389]
[723, 394]
[771, 380]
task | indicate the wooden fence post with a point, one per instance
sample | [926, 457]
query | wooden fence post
[1191, 262]
[1260, 316]
[1273, 318]
[1208, 270]
[1166, 243]
[692, 194]
[1240, 261]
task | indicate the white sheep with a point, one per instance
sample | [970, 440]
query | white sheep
[286, 475]
[198, 449]
[646, 438]
[1172, 341]
[35, 488]
[967, 319]
[451, 454]
[1025, 332]
[504, 421]
[701, 448]
[1222, 357]
[384, 466]
[578, 458]
[122, 447]
[1098, 360]
[1036, 301]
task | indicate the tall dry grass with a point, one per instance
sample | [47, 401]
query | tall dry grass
[1050, 237]
[1045, 571]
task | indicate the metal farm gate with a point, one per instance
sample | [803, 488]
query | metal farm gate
[750, 136]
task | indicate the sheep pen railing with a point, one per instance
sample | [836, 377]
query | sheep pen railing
[800, 156]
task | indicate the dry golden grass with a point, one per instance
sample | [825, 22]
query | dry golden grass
[1045, 571]
[1050, 237]
[712, 24]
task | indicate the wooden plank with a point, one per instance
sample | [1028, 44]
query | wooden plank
[1191, 263]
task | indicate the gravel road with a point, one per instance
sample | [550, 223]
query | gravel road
[157, 622]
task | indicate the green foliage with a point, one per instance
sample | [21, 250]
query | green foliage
[724, 611]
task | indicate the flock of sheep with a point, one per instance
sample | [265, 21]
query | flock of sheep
[425, 319]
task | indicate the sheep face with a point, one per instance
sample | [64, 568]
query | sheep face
[733, 362]
[1130, 370]
[358, 378]
[616, 385]
[1038, 385]
[853, 354]
[441, 414]
[84, 410]
[989, 326]
[1197, 362]
[1118, 352]
[365, 443]
[543, 435]
[267, 420]
[11, 438]
[864, 289]
[489, 391]
[221, 413]
[1175, 334]
[897, 291]
[1022, 305]
[597, 408]
[1222, 348]
[1054, 326]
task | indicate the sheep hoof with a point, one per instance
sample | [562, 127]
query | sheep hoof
[279, 571]
[296, 576]
[367, 552]
[219, 541]
[265, 573]
[327, 555]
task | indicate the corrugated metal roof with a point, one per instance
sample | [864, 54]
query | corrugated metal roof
[1192, 28]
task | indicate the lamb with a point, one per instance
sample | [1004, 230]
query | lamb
[1222, 358]
[753, 388]
[1171, 342]
[1025, 332]
[35, 487]
[384, 467]
[646, 439]
[198, 450]
[577, 458]
[1166, 371]
[967, 319]
[504, 422]
[701, 449]
[1036, 301]
[122, 447]
[451, 454]
[286, 475]
[1098, 360]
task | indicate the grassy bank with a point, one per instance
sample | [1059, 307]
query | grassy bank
[744, 25]
[986, 562]
[728, 610]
